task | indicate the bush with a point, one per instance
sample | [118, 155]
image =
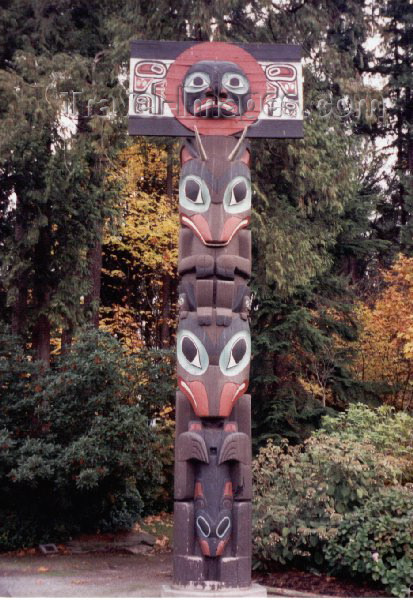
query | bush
[390, 432]
[302, 493]
[377, 541]
[76, 450]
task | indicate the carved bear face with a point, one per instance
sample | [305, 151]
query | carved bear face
[215, 194]
[216, 89]
[213, 508]
[213, 364]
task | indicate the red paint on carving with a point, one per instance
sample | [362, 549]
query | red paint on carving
[228, 489]
[198, 492]
[205, 547]
[245, 158]
[196, 393]
[209, 103]
[221, 547]
[229, 395]
[199, 226]
[231, 427]
[231, 226]
[195, 427]
[185, 155]
[215, 51]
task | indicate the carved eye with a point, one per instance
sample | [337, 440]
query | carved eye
[223, 526]
[194, 194]
[239, 193]
[191, 352]
[237, 196]
[235, 82]
[238, 351]
[196, 82]
[236, 354]
[193, 191]
[203, 526]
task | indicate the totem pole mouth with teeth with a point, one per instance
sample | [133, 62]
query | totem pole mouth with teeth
[209, 93]
[216, 89]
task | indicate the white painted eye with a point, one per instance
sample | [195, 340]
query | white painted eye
[191, 352]
[236, 354]
[237, 196]
[196, 82]
[203, 526]
[223, 526]
[194, 194]
[235, 82]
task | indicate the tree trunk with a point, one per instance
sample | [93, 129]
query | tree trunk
[19, 309]
[166, 310]
[166, 279]
[92, 300]
[41, 340]
[66, 338]
[41, 296]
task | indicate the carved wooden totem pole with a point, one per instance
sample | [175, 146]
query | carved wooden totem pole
[216, 96]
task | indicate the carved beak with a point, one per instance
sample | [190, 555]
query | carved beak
[200, 227]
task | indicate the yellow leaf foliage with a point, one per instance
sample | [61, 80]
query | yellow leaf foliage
[142, 245]
[149, 216]
[385, 346]
[121, 321]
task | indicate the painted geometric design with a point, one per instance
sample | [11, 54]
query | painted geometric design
[178, 85]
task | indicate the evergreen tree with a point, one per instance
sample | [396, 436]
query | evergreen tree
[395, 64]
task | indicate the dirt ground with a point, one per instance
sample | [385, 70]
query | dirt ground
[92, 575]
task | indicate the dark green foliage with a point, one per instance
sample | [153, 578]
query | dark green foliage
[337, 499]
[376, 541]
[311, 233]
[77, 449]
[394, 222]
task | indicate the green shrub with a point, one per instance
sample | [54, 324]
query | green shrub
[303, 492]
[388, 430]
[76, 450]
[377, 540]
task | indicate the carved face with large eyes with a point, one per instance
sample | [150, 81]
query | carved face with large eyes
[213, 366]
[213, 494]
[215, 205]
[216, 89]
[213, 508]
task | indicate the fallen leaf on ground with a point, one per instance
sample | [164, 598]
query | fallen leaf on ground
[162, 541]
[42, 569]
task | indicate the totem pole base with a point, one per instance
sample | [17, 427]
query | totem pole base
[213, 589]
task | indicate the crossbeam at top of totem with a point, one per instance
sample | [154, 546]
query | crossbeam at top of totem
[215, 88]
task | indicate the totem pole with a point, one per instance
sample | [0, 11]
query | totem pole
[216, 96]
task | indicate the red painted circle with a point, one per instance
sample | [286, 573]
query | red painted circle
[215, 51]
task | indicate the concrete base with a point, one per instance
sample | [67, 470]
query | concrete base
[212, 589]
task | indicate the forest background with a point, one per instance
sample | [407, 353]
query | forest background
[88, 253]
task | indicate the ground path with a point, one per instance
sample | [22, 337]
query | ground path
[92, 575]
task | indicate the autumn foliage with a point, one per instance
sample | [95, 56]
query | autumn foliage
[385, 345]
[141, 251]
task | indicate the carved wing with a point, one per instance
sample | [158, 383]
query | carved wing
[236, 446]
[191, 446]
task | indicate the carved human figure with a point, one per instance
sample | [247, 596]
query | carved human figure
[216, 89]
